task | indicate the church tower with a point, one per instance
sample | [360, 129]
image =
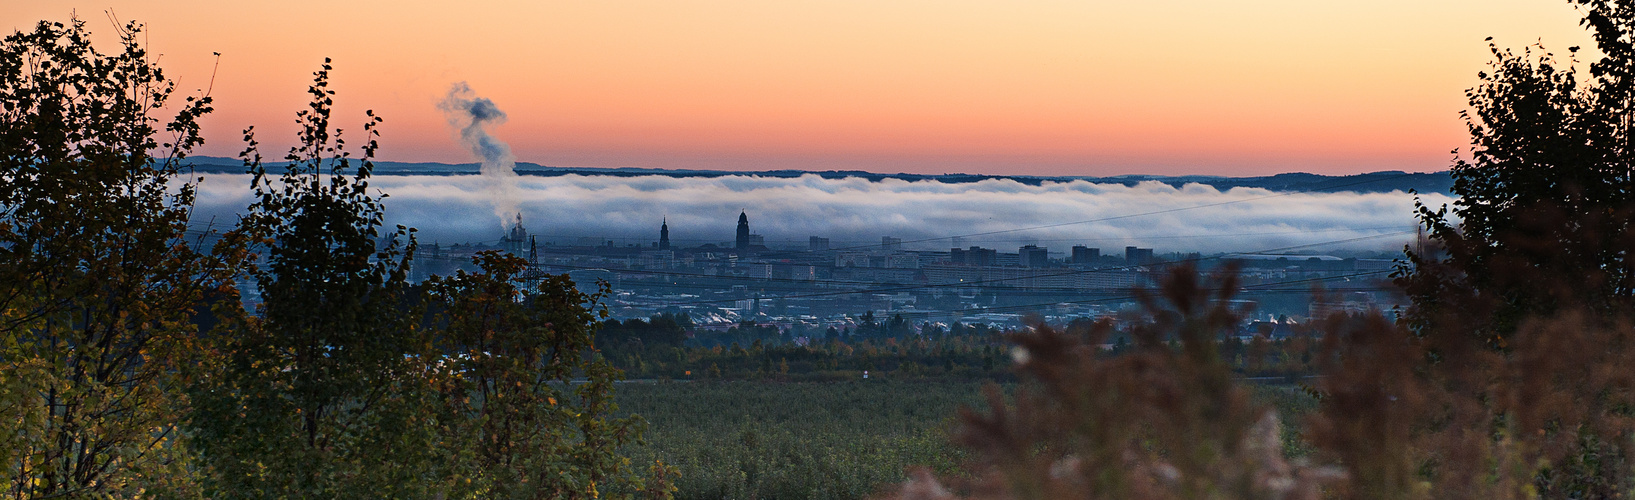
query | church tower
[743, 231]
[516, 240]
[664, 234]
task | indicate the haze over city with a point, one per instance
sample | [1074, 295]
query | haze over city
[573, 209]
[628, 116]
[836, 250]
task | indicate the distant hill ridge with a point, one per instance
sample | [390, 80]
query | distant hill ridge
[1372, 182]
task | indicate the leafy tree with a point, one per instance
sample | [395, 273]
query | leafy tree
[867, 326]
[323, 395]
[661, 330]
[97, 278]
[932, 330]
[1511, 379]
[1547, 192]
[898, 327]
[527, 401]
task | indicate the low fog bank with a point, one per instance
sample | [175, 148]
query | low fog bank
[586, 209]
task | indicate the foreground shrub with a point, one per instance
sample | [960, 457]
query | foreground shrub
[98, 278]
[1163, 420]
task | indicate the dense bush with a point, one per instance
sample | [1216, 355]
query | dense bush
[98, 279]
[339, 385]
[525, 403]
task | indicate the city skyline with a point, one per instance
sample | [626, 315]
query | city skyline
[1068, 88]
[718, 286]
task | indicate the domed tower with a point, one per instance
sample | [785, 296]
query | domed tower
[664, 234]
[743, 231]
[515, 241]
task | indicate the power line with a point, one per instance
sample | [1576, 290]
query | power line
[831, 281]
[876, 245]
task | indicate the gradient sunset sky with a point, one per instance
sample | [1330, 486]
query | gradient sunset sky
[1087, 87]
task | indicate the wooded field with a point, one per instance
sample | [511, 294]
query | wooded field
[823, 440]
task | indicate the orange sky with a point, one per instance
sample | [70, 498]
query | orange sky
[1086, 87]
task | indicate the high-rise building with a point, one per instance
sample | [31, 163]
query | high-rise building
[1085, 255]
[975, 256]
[1033, 256]
[743, 231]
[816, 244]
[664, 234]
[890, 243]
[1138, 256]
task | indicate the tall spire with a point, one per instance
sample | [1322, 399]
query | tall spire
[664, 234]
[743, 230]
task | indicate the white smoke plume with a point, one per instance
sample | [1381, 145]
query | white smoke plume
[473, 116]
[578, 209]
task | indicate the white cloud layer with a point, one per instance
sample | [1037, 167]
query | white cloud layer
[925, 214]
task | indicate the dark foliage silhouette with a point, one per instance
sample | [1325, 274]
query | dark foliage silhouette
[97, 276]
[527, 400]
[1546, 191]
[319, 395]
[1163, 420]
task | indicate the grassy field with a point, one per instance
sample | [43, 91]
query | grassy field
[796, 440]
[836, 440]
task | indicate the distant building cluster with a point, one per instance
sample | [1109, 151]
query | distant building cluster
[827, 284]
